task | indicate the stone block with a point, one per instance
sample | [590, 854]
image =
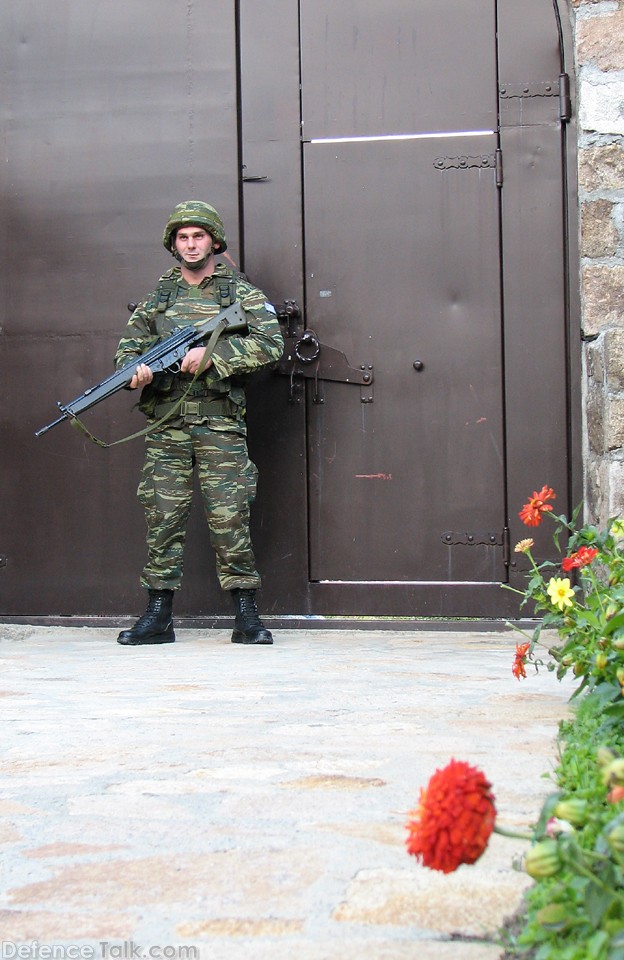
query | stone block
[601, 99]
[601, 167]
[616, 488]
[600, 41]
[593, 403]
[599, 236]
[596, 490]
[602, 289]
[614, 426]
[594, 420]
[614, 360]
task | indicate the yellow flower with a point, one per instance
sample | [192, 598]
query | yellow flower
[524, 545]
[560, 592]
[617, 528]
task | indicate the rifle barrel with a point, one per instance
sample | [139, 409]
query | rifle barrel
[54, 423]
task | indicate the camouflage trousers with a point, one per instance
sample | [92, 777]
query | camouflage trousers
[227, 480]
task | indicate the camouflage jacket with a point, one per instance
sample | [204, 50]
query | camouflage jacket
[234, 356]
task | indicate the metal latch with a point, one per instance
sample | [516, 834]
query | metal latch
[306, 358]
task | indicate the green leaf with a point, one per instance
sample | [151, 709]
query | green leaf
[597, 945]
[614, 624]
[547, 812]
[597, 903]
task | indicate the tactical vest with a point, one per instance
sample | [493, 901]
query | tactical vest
[205, 398]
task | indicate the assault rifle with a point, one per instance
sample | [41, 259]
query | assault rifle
[165, 355]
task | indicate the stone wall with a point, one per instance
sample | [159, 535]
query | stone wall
[599, 32]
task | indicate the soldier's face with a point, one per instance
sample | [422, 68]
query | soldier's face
[194, 244]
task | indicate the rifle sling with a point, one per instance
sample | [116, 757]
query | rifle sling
[210, 346]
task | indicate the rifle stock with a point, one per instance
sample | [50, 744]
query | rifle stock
[165, 355]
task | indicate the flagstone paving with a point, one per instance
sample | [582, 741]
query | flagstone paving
[250, 802]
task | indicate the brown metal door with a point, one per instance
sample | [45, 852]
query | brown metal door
[405, 281]
[111, 114]
[402, 267]
[408, 258]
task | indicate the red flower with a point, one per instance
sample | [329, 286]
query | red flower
[581, 558]
[518, 665]
[454, 819]
[531, 513]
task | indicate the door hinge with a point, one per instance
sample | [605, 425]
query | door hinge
[473, 539]
[464, 163]
[494, 160]
[506, 547]
[546, 88]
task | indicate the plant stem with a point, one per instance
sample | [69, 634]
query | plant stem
[514, 834]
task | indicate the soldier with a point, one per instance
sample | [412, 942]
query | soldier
[207, 430]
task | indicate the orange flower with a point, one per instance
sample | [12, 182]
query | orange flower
[454, 819]
[581, 558]
[532, 512]
[616, 795]
[518, 665]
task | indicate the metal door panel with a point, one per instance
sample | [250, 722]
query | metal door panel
[373, 69]
[111, 114]
[408, 273]
[273, 258]
[538, 415]
[528, 40]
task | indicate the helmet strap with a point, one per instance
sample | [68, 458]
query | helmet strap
[196, 265]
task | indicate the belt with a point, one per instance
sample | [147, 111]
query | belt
[218, 407]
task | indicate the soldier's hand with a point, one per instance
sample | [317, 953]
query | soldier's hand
[193, 359]
[142, 376]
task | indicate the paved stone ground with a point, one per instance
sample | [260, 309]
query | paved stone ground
[250, 802]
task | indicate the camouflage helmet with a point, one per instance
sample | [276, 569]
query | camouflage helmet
[199, 214]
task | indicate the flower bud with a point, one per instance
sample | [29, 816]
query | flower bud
[543, 859]
[604, 756]
[554, 915]
[555, 826]
[615, 838]
[611, 611]
[572, 809]
[601, 661]
[613, 774]
[618, 643]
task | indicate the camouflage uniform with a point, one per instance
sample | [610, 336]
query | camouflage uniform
[208, 430]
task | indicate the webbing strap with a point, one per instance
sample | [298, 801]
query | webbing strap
[167, 292]
[225, 290]
[76, 422]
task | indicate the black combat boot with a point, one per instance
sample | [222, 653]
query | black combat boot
[156, 625]
[248, 627]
